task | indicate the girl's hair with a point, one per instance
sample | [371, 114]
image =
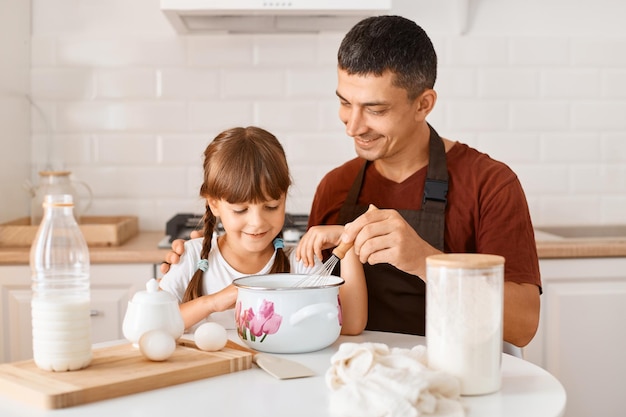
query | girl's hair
[241, 165]
[390, 43]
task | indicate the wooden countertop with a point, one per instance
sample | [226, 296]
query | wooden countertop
[581, 248]
[142, 248]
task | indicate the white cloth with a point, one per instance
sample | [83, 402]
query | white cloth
[218, 276]
[372, 380]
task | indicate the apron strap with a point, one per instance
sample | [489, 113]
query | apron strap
[436, 185]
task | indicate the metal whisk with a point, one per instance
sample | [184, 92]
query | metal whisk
[320, 275]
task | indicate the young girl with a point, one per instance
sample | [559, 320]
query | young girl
[246, 179]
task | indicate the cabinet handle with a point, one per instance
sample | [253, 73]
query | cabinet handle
[94, 313]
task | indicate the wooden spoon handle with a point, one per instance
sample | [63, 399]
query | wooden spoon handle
[340, 251]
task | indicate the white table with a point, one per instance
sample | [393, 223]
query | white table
[527, 391]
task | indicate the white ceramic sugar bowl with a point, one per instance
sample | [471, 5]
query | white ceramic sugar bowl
[152, 309]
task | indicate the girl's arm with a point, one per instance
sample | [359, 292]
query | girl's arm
[199, 308]
[353, 295]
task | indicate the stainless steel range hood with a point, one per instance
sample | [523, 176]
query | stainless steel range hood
[259, 16]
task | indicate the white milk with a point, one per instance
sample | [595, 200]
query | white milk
[464, 316]
[61, 333]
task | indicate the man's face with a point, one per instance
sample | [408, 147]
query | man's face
[378, 115]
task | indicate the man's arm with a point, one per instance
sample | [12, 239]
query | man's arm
[178, 247]
[383, 236]
[521, 312]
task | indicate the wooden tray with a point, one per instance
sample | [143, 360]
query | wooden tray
[97, 230]
[116, 371]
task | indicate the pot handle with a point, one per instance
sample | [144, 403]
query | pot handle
[330, 310]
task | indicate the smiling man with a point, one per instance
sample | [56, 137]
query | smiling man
[435, 195]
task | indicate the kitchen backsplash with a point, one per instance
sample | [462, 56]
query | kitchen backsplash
[128, 105]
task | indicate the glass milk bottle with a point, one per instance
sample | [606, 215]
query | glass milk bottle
[464, 317]
[59, 262]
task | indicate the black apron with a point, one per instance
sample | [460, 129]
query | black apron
[397, 300]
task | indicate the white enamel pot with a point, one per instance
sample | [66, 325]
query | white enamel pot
[272, 315]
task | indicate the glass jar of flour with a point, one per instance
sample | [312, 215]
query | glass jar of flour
[464, 317]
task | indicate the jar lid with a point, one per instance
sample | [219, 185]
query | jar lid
[54, 173]
[465, 260]
[153, 295]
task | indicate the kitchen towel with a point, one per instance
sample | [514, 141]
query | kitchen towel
[372, 380]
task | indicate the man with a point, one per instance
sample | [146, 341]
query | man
[434, 195]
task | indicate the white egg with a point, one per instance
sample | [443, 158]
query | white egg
[157, 345]
[210, 336]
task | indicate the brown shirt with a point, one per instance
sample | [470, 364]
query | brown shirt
[487, 210]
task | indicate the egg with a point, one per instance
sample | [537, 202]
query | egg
[157, 345]
[210, 336]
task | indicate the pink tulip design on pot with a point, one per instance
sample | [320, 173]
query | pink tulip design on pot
[264, 322]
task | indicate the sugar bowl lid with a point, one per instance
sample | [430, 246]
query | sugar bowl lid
[152, 295]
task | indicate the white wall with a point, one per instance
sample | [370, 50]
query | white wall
[14, 108]
[129, 105]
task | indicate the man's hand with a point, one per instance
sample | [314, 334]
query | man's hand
[178, 247]
[383, 236]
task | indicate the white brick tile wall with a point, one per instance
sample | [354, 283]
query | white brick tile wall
[598, 51]
[539, 51]
[279, 50]
[454, 83]
[512, 147]
[177, 149]
[570, 209]
[591, 179]
[599, 115]
[477, 51]
[614, 83]
[287, 115]
[220, 51]
[612, 211]
[508, 83]
[120, 116]
[478, 115]
[571, 83]
[253, 82]
[125, 149]
[121, 52]
[311, 82]
[129, 105]
[540, 115]
[187, 84]
[571, 147]
[614, 148]
[126, 83]
[62, 84]
[214, 116]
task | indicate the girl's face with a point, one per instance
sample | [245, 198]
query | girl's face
[250, 226]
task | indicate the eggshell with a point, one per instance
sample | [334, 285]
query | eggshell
[210, 336]
[157, 345]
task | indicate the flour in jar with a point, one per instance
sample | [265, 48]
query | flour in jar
[464, 330]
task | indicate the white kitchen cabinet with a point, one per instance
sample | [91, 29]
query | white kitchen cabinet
[582, 336]
[112, 286]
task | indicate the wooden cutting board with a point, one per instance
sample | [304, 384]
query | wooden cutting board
[116, 371]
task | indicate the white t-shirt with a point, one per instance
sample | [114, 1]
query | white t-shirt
[218, 276]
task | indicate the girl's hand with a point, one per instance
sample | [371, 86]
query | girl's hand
[224, 299]
[315, 240]
[199, 308]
